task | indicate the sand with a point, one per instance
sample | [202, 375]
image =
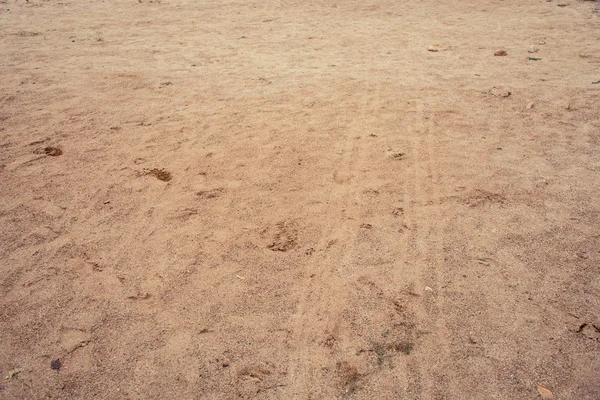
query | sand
[299, 200]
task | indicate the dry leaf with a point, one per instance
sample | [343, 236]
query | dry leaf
[545, 393]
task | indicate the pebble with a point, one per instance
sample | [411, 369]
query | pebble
[56, 365]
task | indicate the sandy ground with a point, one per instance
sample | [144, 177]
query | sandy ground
[298, 200]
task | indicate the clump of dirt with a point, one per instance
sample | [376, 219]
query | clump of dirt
[402, 347]
[329, 341]
[24, 33]
[398, 212]
[285, 238]
[210, 194]
[50, 151]
[379, 350]
[499, 91]
[481, 197]
[160, 174]
[256, 372]
[590, 331]
[349, 376]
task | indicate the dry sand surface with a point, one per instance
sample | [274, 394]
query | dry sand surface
[299, 199]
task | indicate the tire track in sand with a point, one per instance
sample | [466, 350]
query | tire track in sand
[324, 290]
[424, 214]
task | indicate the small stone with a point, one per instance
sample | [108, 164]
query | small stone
[500, 53]
[533, 49]
[434, 49]
[14, 373]
[500, 91]
[529, 106]
[56, 365]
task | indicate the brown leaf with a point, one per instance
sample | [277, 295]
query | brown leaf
[544, 393]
